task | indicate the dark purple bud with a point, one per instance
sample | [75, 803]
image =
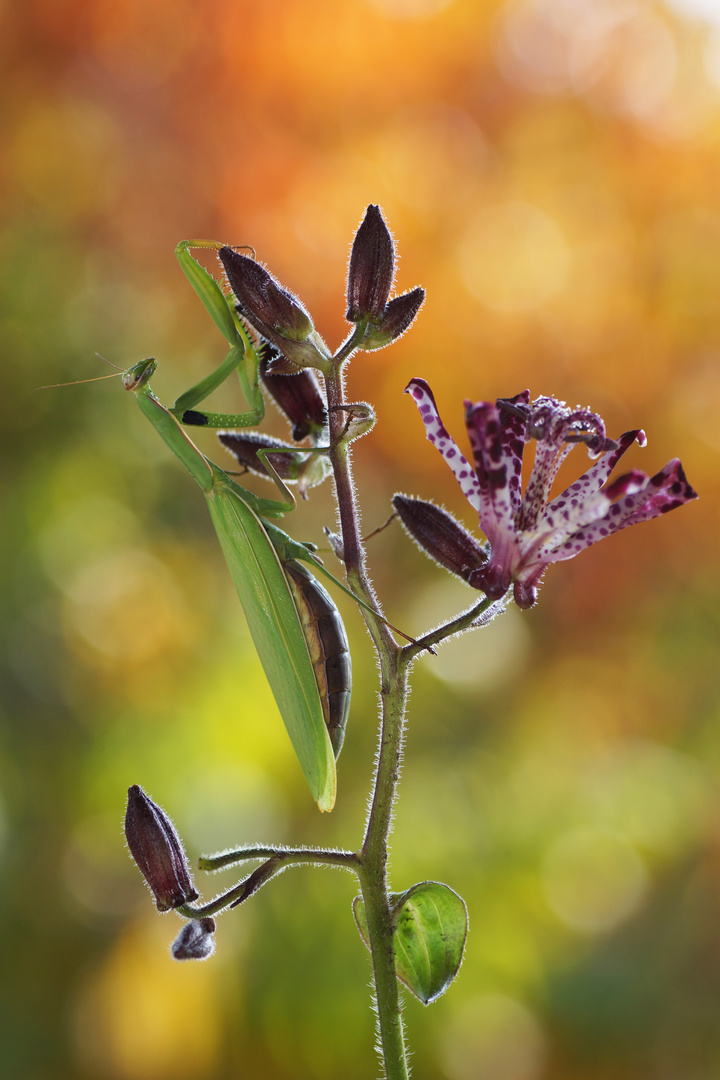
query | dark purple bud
[304, 468]
[525, 596]
[262, 300]
[245, 449]
[297, 396]
[372, 268]
[441, 537]
[195, 941]
[156, 848]
[397, 318]
[273, 312]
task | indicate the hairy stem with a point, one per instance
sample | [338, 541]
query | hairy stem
[373, 872]
[331, 856]
[280, 859]
[373, 856]
[395, 663]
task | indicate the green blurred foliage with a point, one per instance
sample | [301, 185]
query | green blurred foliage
[549, 169]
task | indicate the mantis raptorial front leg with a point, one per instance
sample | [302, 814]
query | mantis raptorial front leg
[242, 356]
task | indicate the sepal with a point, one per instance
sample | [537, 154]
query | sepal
[430, 929]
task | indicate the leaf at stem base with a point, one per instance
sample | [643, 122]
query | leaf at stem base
[431, 925]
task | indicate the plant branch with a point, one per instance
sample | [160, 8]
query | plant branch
[297, 855]
[280, 859]
[470, 618]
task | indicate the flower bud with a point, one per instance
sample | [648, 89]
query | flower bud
[245, 448]
[273, 311]
[261, 299]
[298, 396]
[294, 467]
[372, 267]
[195, 941]
[441, 537]
[396, 319]
[156, 848]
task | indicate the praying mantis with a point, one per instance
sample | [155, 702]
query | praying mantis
[295, 625]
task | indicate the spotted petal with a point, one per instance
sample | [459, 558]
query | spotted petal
[591, 481]
[654, 496]
[498, 452]
[572, 527]
[437, 434]
[665, 491]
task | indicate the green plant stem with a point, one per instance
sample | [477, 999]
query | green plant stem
[374, 853]
[395, 664]
[373, 870]
[477, 615]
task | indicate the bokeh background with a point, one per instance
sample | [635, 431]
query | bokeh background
[551, 171]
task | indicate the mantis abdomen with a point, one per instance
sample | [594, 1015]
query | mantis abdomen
[328, 647]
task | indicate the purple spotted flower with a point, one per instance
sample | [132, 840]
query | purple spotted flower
[528, 531]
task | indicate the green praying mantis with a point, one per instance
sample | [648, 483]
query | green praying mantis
[293, 621]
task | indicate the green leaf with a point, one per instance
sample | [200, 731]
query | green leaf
[431, 926]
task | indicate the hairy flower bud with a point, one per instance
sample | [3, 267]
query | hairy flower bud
[245, 448]
[297, 396]
[261, 299]
[441, 537]
[156, 848]
[195, 941]
[372, 268]
[396, 319]
[273, 311]
[294, 467]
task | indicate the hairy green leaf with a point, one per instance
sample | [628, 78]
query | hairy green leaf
[431, 926]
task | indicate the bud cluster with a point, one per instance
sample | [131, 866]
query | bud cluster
[370, 279]
[282, 321]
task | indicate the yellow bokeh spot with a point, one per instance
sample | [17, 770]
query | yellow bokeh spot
[495, 1036]
[513, 257]
[594, 879]
[409, 9]
[145, 1016]
[127, 606]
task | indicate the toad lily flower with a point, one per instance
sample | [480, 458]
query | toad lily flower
[527, 532]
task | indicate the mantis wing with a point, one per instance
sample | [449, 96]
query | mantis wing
[278, 635]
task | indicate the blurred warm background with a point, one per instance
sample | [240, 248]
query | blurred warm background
[551, 171]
